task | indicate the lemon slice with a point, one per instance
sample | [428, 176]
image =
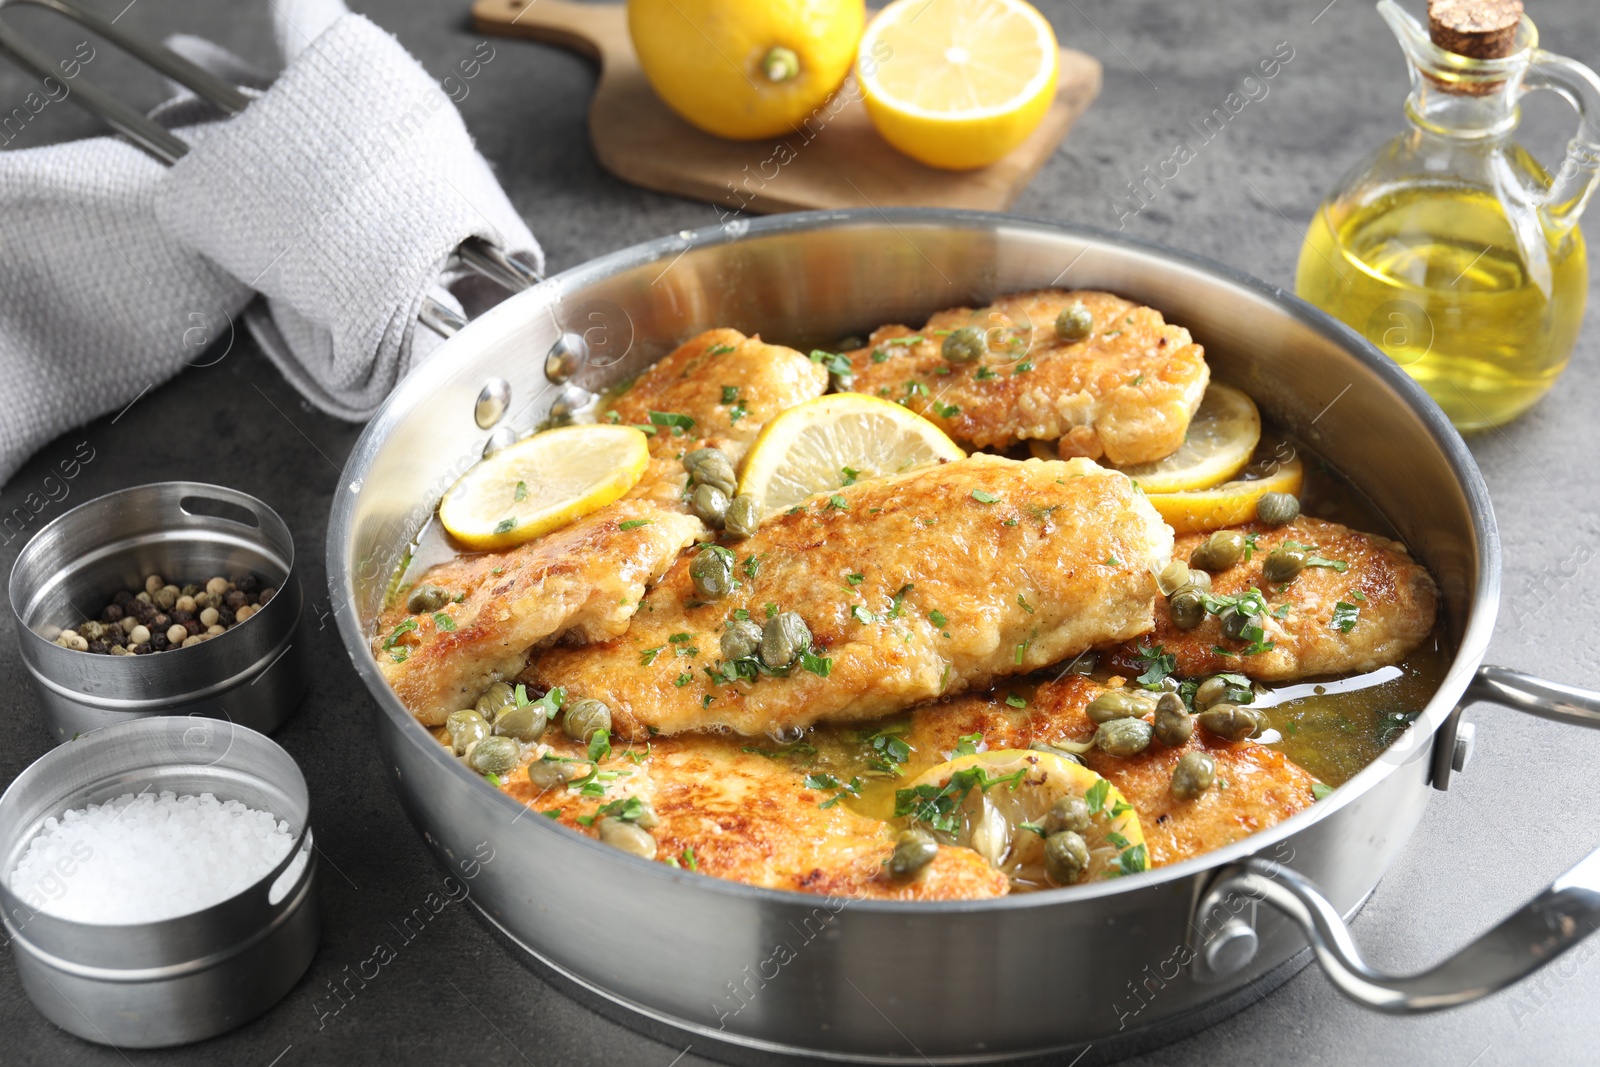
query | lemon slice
[542, 483]
[992, 802]
[834, 441]
[1228, 504]
[957, 83]
[1222, 436]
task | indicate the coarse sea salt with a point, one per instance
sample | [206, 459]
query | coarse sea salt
[148, 857]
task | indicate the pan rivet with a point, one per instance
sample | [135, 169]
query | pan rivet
[492, 402]
[1231, 948]
[502, 437]
[567, 356]
[570, 399]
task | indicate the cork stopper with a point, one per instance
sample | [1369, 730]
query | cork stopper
[1477, 29]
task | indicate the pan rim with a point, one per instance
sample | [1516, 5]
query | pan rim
[1482, 606]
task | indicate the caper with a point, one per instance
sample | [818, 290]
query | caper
[1219, 551]
[1231, 722]
[1123, 737]
[1236, 622]
[1066, 857]
[495, 699]
[1193, 775]
[1074, 323]
[1209, 692]
[712, 572]
[741, 639]
[1173, 577]
[1174, 724]
[1069, 813]
[913, 850]
[785, 636]
[627, 836]
[1278, 509]
[964, 345]
[840, 383]
[743, 517]
[526, 723]
[1119, 704]
[1284, 565]
[427, 598]
[1188, 608]
[495, 755]
[1200, 580]
[584, 718]
[711, 466]
[552, 774]
[709, 503]
[465, 727]
[1045, 746]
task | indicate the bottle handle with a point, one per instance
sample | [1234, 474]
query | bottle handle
[1579, 173]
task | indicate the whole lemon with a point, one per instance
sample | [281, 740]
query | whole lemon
[746, 69]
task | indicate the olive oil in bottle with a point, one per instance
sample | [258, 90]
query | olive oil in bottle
[1431, 273]
[1450, 248]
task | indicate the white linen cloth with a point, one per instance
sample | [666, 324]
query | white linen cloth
[338, 194]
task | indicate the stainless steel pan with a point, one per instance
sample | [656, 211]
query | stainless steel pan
[960, 981]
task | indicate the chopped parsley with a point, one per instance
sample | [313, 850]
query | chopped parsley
[648, 656]
[730, 394]
[719, 350]
[913, 388]
[683, 679]
[599, 745]
[849, 476]
[889, 751]
[1022, 650]
[821, 782]
[521, 493]
[984, 498]
[945, 411]
[855, 579]
[1313, 559]
[400, 655]
[752, 564]
[1157, 662]
[740, 613]
[967, 744]
[1113, 561]
[1015, 701]
[879, 355]
[838, 503]
[1096, 795]
[1133, 860]
[862, 615]
[628, 809]
[680, 638]
[505, 526]
[689, 860]
[404, 628]
[937, 618]
[1344, 617]
[1320, 791]
[443, 621]
[1024, 367]
[817, 665]
[984, 373]
[896, 608]
[1023, 604]
[835, 363]
[633, 524]
[914, 339]
[937, 806]
[680, 424]
[737, 412]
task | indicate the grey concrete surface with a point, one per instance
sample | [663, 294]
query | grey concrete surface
[1525, 810]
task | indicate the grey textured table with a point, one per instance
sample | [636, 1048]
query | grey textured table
[1524, 811]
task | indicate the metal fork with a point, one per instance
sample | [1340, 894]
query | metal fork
[511, 271]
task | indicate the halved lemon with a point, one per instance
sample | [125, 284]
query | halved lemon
[542, 483]
[1222, 437]
[834, 441]
[1228, 504]
[957, 84]
[996, 803]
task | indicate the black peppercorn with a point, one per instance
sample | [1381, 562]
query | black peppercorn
[266, 595]
[112, 613]
[159, 642]
[142, 650]
[100, 647]
[246, 583]
[225, 616]
[193, 626]
[235, 600]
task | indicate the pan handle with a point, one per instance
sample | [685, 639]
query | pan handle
[1566, 912]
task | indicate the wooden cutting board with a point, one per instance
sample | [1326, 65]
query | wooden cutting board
[846, 164]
